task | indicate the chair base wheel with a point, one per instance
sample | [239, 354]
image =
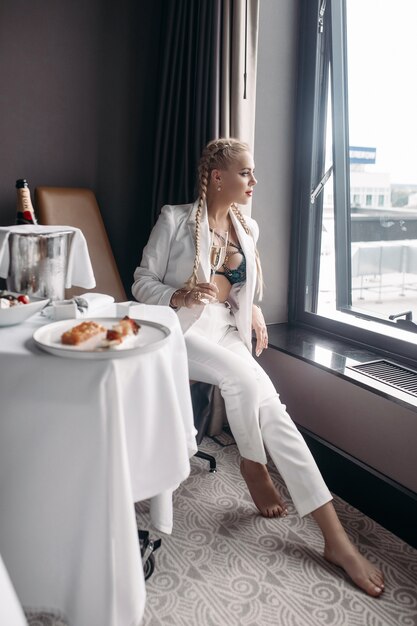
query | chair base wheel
[209, 458]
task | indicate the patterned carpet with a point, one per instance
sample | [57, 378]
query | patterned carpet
[225, 565]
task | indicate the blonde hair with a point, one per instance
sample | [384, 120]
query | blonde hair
[219, 154]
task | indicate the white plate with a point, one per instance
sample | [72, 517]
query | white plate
[21, 312]
[149, 337]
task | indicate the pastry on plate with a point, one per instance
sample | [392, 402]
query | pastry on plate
[82, 332]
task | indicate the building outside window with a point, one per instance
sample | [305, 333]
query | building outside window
[355, 256]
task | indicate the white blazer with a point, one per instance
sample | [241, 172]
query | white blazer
[168, 259]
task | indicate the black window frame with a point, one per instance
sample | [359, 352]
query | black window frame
[322, 24]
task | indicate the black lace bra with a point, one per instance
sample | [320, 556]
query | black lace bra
[237, 275]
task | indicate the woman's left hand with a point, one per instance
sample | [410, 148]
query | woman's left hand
[261, 332]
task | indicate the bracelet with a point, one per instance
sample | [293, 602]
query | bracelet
[177, 293]
[173, 306]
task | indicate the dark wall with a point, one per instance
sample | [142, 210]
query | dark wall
[78, 98]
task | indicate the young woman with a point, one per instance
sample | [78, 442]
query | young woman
[217, 314]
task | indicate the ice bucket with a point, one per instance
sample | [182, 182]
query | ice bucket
[38, 263]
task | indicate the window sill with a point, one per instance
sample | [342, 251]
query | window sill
[335, 356]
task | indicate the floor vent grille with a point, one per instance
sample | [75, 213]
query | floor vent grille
[386, 372]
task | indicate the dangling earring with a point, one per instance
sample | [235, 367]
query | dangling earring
[219, 188]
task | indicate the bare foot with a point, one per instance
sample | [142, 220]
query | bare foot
[360, 570]
[262, 489]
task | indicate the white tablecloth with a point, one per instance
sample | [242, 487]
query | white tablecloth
[80, 442]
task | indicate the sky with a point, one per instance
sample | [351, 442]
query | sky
[382, 67]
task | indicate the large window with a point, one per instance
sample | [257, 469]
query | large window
[355, 232]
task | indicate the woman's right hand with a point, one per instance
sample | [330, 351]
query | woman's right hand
[200, 294]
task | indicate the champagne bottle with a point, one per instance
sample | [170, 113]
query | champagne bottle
[25, 213]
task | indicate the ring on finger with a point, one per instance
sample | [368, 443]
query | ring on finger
[196, 295]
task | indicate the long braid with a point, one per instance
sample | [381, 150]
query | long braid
[192, 281]
[240, 217]
[203, 173]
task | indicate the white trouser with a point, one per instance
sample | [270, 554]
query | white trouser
[217, 355]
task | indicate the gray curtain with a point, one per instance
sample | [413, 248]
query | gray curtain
[208, 47]
[186, 117]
